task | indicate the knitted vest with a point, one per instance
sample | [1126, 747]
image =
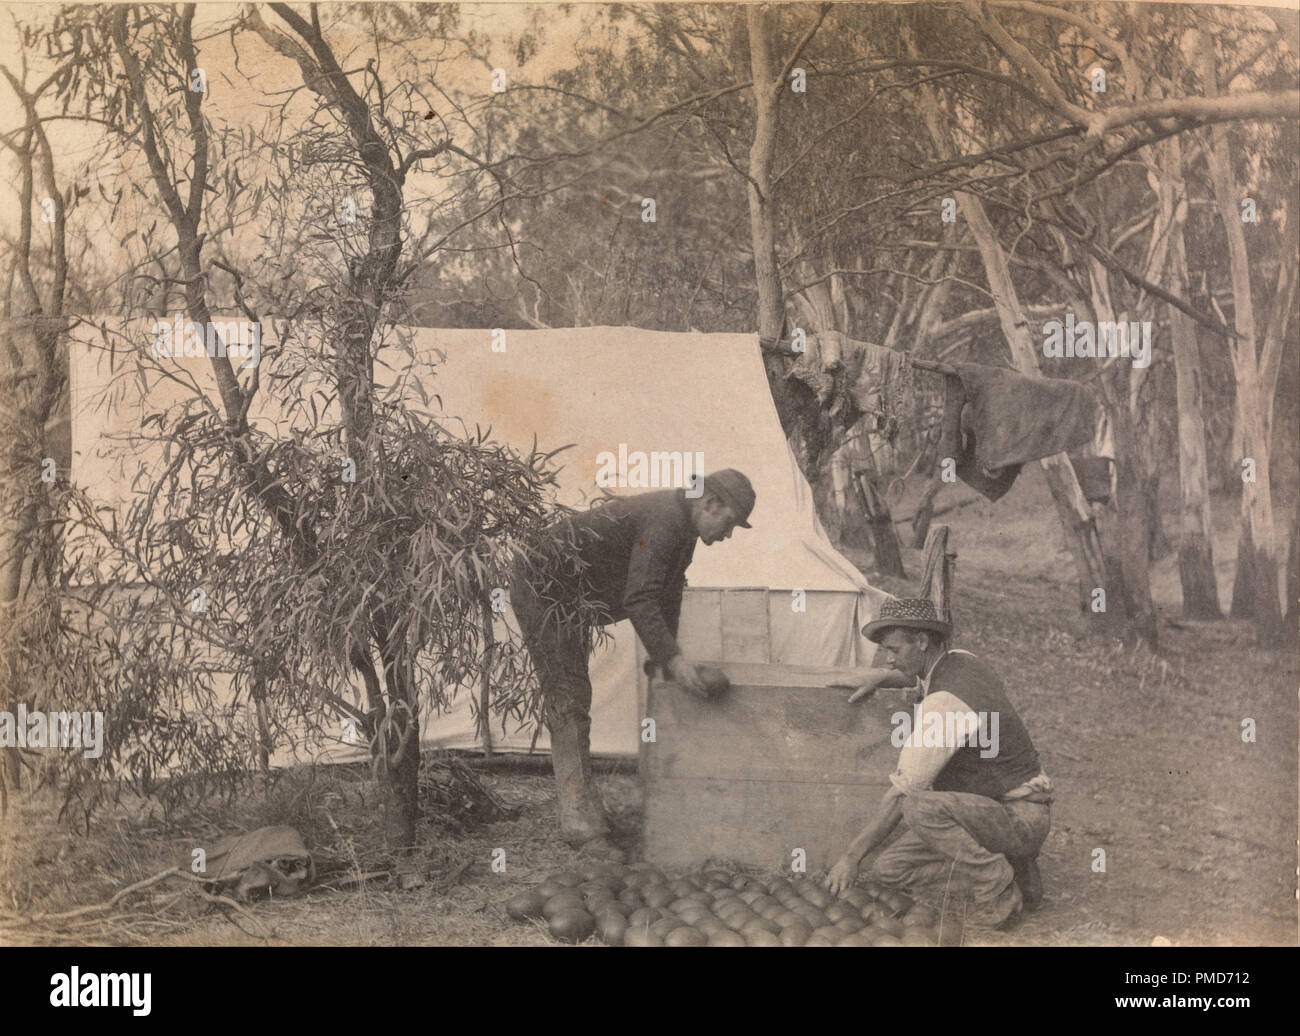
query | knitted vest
[1016, 761]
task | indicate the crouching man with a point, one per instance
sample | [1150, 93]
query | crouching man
[625, 558]
[968, 789]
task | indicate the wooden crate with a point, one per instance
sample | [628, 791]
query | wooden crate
[781, 762]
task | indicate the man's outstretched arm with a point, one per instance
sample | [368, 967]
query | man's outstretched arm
[648, 577]
[868, 681]
[845, 871]
[653, 601]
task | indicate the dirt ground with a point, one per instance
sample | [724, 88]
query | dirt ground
[1198, 827]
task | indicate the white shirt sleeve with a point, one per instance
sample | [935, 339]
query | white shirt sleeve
[946, 724]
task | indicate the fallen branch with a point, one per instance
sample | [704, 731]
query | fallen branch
[223, 901]
[107, 904]
[354, 879]
[68, 915]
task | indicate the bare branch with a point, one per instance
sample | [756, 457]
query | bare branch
[1205, 110]
[786, 69]
[1020, 54]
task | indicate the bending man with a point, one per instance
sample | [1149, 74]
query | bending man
[626, 558]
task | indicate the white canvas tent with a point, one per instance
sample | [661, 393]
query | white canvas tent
[598, 389]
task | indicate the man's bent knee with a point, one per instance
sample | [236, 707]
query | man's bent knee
[891, 870]
[921, 806]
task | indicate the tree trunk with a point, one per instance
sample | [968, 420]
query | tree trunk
[15, 552]
[1128, 568]
[1293, 579]
[1071, 507]
[1275, 332]
[400, 798]
[925, 512]
[1158, 545]
[1134, 588]
[33, 344]
[1255, 592]
[812, 431]
[889, 554]
[485, 682]
[1195, 534]
[398, 759]
[836, 500]
[762, 220]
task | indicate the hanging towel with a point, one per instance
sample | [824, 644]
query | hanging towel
[1015, 418]
[993, 484]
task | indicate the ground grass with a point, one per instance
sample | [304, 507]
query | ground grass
[1198, 827]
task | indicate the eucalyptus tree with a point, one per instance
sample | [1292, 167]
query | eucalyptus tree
[314, 519]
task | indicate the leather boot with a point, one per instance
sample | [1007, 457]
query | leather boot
[582, 817]
[595, 802]
[1003, 913]
[1028, 879]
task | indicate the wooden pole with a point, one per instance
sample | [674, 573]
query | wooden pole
[940, 566]
[485, 684]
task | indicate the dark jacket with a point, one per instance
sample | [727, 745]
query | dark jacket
[629, 556]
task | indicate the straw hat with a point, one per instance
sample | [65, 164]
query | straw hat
[916, 613]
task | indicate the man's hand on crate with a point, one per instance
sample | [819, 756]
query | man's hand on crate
[873, 680]
[687, 676]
